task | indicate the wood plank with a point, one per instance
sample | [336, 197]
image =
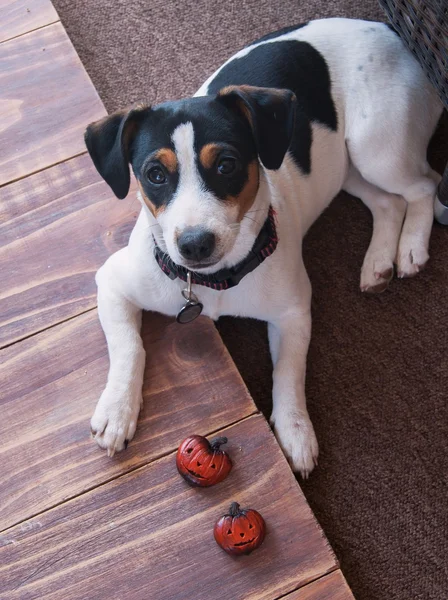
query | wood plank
[330, 587]
[49, 385]
[56, 228]
[21, 16]
[46, 100]
[149, 535]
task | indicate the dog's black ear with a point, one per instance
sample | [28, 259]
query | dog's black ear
[271, 115]
[109, 141]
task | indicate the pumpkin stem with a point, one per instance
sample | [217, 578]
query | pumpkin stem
[234, 509]
[216, 443]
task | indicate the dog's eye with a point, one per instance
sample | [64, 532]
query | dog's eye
[226, 166]
[156, 175]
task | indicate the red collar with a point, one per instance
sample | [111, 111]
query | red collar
[264, 246]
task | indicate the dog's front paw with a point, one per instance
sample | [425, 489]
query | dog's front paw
[115, 419]
[297, 439]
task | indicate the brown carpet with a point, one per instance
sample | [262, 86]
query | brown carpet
[378, 367]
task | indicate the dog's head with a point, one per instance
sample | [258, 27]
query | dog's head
[196, 162]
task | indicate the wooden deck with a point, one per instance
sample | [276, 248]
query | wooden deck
[75, 524]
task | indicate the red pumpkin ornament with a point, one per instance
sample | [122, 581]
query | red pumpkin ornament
[241, 531]
[201, 462]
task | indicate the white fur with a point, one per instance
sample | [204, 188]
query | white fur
[378, 153]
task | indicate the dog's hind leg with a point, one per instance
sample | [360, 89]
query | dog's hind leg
[388, 148]
[412, 252]
[388, 212]
[418, 187]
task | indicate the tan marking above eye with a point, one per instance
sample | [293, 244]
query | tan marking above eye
[168, 159]
[208, 155]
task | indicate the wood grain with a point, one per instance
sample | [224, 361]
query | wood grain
[46, 100]
[56, 229]
[149, 535]
[21, 16]
[330, 587]
[49, 385]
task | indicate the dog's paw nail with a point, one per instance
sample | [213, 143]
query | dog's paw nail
[98, 430]
[126, 442]
[110, 452]
[378, 288]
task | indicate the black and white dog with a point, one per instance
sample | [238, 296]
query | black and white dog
[231, 179]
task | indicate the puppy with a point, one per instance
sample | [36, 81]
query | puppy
[231, 179]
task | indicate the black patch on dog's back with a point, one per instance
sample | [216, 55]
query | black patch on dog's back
[292, 65]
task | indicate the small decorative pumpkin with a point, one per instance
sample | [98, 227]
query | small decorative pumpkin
[240, 531]
[201, 462]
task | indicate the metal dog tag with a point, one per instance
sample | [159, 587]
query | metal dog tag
[192, 308]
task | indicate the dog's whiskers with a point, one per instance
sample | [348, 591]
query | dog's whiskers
[250, 219]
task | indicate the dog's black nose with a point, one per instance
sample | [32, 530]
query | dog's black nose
[196, 243]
